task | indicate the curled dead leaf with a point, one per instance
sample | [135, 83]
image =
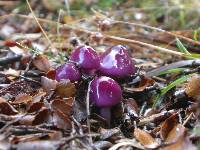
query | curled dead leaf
[65, 89]
[6, 108]
[193, 87]
[61, 120]
[144, 83]
[42, 63]
[43, 116]
[61, 105]
[48, 84]
[38, 145]
[177, 131]
[131, 107]
[183, 143]
[145, 139]
[35, 107]
[51, 74]
[168, 125]
[22, 98]
[108, 133]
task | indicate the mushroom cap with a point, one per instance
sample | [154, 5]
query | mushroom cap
[86, 57]
[68, 71]
[105, 92]
[116, 62]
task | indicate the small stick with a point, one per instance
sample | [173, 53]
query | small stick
[49, 41]
[188, 118]
[119, 39]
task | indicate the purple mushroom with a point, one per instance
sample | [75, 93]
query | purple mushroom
[68, 71]
[116, 62]
[87, 58]
[105, 93]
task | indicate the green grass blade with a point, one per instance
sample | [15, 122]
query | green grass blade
[176, 70]
[170, 86]
[181, 47]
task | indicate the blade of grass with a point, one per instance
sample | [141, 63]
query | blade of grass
[176, 70]
[181, 47]
[170, 86]
[196, 33]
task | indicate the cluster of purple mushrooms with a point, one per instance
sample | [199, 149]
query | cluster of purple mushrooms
[115, 63]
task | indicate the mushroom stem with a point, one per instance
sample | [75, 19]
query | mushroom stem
[105, 112]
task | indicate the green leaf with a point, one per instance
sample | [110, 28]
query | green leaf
[181, 47]
[170, 86]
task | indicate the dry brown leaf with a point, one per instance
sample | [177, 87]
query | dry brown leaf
[38, 145]
[48, 84]
[51, 74]
[61, 120]
[70, 101]
[35, 107]
[131, 107]
[6, 108]
[193, 87]
[37, 97]
[168, 125]
[43, 116]
[145, 82]
[61, 105]
[65, 89]
[22, 98]
[177, 131]
[183, 143]
[145, 139]
[42, 63]
[108, 133]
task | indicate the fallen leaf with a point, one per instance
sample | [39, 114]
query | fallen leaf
[37, 97]
[144, 83]
[61, 120]
[183, 143]
[102, 144]
[38, 145]
[51, 74]
[48, 84]
[22, 98]
[6, 108]
[35, 107]
[65, 89]
[193, 87]
[131, 107]
[43, 116]
[61, 105]
[177, 131]
[168, 125]
[42, 63]
[145, 139]
[108, 133]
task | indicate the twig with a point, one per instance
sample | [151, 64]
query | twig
[188, 118]
[49, 41]
[9, 60]
[158, 29]
[145, 26]
[88, 110]
[108, 37]
[155, 117]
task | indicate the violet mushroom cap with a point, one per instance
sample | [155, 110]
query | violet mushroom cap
[68, 71]
[87, 58]
[105, 93]
[116, 62]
